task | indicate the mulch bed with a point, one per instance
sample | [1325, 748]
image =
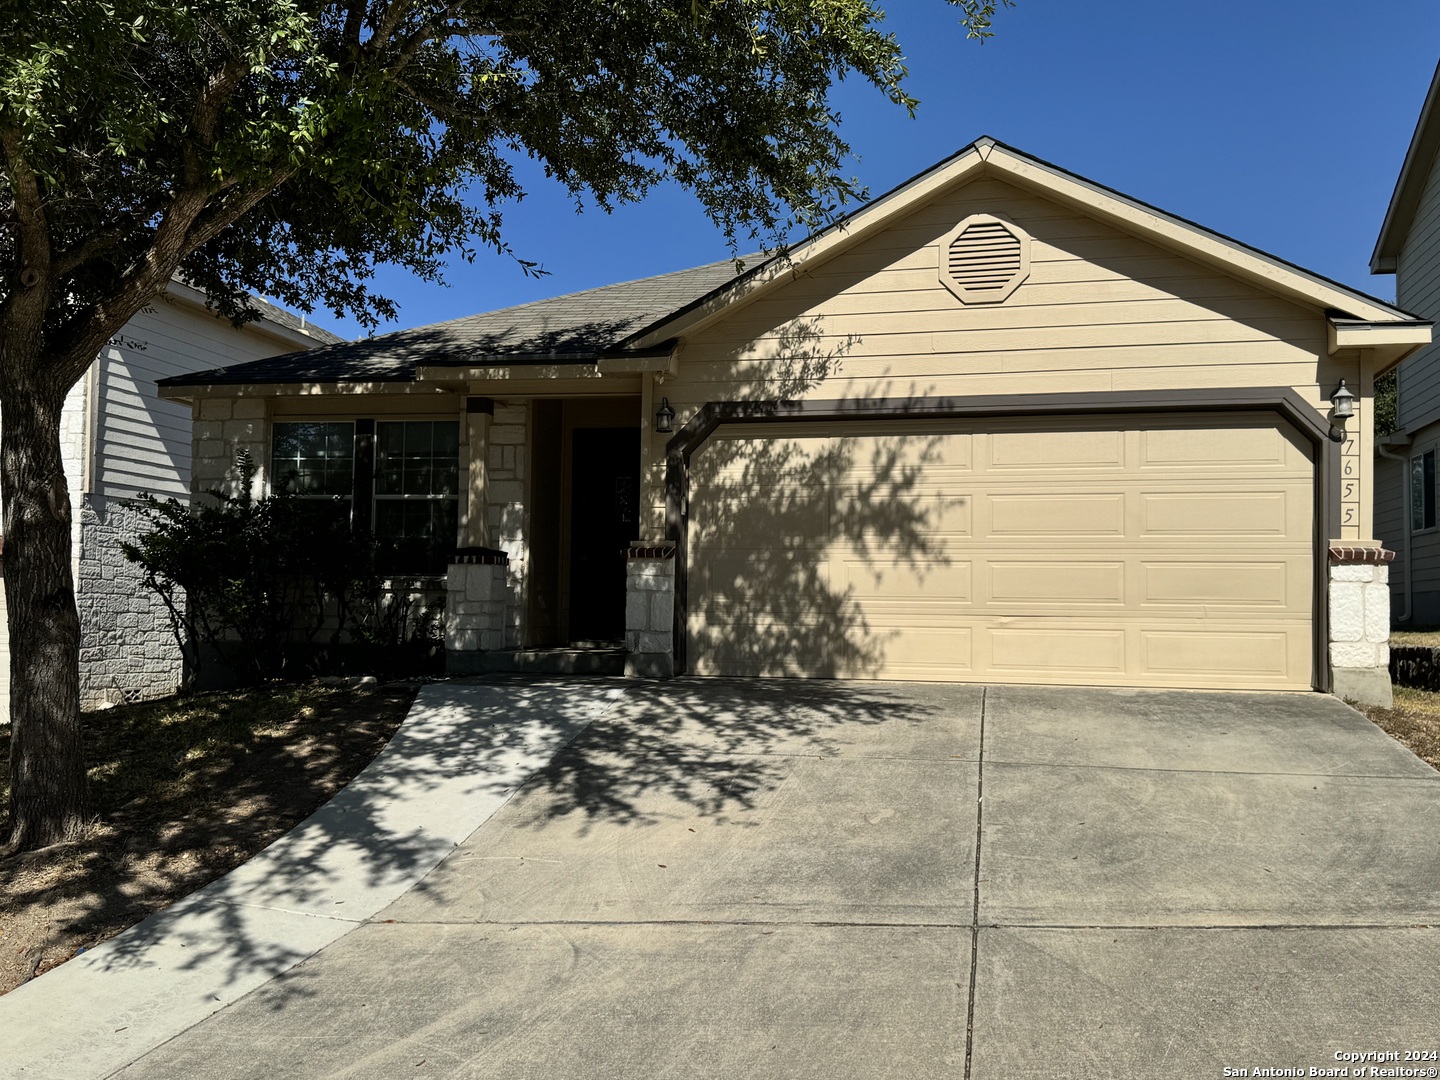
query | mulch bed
[182, 791]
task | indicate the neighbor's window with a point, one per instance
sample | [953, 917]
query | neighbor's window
[417, 492]
[1422, 491]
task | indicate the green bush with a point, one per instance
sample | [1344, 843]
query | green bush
[252, 579]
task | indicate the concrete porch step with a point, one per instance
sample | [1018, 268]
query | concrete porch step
[562, 660]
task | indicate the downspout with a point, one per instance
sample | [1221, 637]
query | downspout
[1404, 461]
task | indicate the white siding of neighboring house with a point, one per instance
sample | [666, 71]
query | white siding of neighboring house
[141, 444]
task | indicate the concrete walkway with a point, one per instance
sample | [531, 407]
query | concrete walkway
[462, 752]
[756, 879]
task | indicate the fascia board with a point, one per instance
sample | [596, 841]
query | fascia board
[495, 372]
[190, 392]
[1189, 240]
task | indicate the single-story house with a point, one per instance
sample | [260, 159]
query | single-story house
[1000, 424]
[1405, 476]
[118, 438]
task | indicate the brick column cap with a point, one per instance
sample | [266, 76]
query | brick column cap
[645, 549]
[480, 556]
[1350, 556]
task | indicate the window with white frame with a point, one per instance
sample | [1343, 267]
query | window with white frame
[398, 480]
[1422, 491]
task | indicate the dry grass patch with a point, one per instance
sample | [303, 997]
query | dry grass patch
[1413, 720]
[1429, 638]
[182, 791]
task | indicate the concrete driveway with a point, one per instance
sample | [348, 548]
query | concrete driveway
[762, 879]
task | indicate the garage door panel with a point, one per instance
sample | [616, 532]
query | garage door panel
[1256, 448]
[1279, 583]
[1048, 650]
[1091, 514]
[891, 579]
[924, 516]
[1177, 551]
[1027, 582]
[1232, 654]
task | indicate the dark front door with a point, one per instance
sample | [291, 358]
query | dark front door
[604, 519]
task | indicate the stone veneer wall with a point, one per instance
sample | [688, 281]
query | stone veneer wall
[127, 649]
[1360, 624]
[224, 427]
[650, 612]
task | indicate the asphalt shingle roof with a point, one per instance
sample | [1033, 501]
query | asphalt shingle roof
[567, 329]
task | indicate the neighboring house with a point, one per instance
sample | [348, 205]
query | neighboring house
[1001, 424]
[1405, 475]
[118, 439]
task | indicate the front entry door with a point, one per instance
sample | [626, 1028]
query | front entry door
[604, 519]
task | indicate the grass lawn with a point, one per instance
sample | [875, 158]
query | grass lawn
[182, 791]
[1414, 720]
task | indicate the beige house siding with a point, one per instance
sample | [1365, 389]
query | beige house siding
[1417, 285]
[1100, 311]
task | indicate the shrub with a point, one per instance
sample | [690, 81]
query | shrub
[251, 579]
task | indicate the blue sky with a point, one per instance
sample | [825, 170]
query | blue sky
[1282, 123]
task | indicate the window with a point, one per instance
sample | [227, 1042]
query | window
[417, 492]
[396, 479]
[1422, 491]
[316, 461]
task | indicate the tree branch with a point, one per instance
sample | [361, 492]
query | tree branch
[79, 254]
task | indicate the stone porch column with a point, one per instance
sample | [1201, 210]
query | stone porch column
[650, 611]
[475, 602]
[1360, 624]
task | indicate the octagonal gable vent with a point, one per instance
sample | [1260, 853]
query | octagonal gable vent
[984, 259]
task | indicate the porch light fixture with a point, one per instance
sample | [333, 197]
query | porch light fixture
[1342, 403]
[665, 417]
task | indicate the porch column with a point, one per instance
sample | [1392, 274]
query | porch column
[650, 611]
[475, 604]
[1360, 624]
[475, 530]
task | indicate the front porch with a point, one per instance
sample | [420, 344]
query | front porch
[549, 576]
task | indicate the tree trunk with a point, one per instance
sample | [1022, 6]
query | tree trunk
[47, 764]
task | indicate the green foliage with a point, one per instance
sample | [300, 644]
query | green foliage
[1385, 404]
[252, 579]
[286, 147]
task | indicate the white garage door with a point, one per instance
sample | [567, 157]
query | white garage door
[1175, 551]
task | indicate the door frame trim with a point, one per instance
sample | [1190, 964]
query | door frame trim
[1283, 400]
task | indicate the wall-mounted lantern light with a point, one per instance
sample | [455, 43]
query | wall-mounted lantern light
[665, 417]
[1342, 404]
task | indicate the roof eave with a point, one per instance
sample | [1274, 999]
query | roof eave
[1387, 343]
[1409, 186]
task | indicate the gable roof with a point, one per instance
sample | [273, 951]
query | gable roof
[990, 157]
[1419, 160]
[648, 315]
[577, 328]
